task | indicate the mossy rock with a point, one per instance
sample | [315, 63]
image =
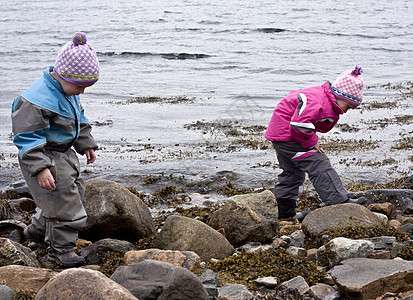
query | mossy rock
[246, 267]
[335, 217]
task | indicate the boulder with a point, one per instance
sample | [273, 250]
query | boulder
[160, 280]
[382, 217]
[12, 253]
[296, 251]
[254, 247]
[114, 212]
[25, 279]
[408, 229]
[335, 295]
[384, 208]
[210, 281]
[339, 249]
[297, 238]
[247, 218]
[401, 198]
[13, 230]
[382, 242]
[6, 293]
[269, 282]
[320, 290]
[338, 216]
[186, 259]
[364, 278]
[83, 284]
[186, 234]
[297, 283]
[95, 252]
[234, 291]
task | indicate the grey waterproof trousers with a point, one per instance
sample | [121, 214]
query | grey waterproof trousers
[295, 161]
[59, 213]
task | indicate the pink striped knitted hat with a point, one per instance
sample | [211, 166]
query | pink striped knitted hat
[77, 61]
[349, 86]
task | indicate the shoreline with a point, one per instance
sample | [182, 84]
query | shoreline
[371, 145]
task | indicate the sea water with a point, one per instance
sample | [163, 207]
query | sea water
[230, 61]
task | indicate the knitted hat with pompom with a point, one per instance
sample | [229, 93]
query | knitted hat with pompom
[349, 86]
[77, 61]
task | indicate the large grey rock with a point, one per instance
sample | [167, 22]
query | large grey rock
[297, 238]
[364, 278]
[269, 282]
[247, 218]
[186, 234]
[25, 279]
[186, 259]
[13, 230]
[338, 216]
[408, 229]
[339, 249]
[95, 252]
[297, 283]
[320, 290]
[83, 284]
[160, 280]
[401, 198]
[233, 291]
[335, 295]
[382, 242]
[210, 282]
[114, 212]
[12, 253]
[6, 293]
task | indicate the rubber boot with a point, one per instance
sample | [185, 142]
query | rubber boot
[67, 259]
[33, 235]
[300, 215]
[360, 200]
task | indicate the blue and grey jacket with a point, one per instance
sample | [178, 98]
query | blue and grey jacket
[44, 118]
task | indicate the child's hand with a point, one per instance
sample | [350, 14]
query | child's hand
[318, 148]
[46, 180]
[90, 156]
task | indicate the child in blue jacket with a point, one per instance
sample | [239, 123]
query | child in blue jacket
[48, 121]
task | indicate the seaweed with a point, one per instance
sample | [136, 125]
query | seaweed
[245, 267]
[353, 232]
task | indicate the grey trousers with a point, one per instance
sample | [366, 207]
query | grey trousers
[59, 213]
[295, 161]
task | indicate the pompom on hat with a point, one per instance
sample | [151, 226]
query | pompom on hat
[349, 86]
[77, 61]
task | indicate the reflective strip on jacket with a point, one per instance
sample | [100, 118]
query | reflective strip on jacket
[44, 118]
[303, 113]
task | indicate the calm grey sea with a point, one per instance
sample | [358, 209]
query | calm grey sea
[236, 58]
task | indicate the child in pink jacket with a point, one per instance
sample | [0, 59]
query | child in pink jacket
[292, 131]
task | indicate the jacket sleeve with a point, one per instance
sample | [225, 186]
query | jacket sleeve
[302, 124]
[85, 139]
[30, 123]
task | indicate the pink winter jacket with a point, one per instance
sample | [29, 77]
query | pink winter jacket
[301, 113]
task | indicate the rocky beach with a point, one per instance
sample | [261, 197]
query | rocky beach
[179, 200]
[220, 238]
[229, 250]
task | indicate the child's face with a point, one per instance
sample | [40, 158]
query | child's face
[345, 106]
[71, 89]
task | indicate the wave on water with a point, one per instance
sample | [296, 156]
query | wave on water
[388, 49]
[271, 30]
[163, 55]
[366, 36]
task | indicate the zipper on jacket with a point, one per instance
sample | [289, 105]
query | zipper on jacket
[76, 124]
